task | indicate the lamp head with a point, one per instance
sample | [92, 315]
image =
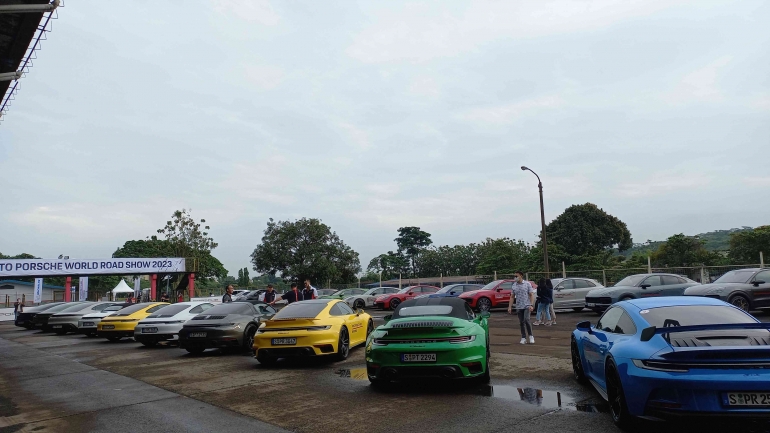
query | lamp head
[524, 168]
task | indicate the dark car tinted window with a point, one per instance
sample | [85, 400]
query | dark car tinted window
[690, 315]
[391, 290]
[335, 310]
[583, 284]
[505, 286]
[763, 276]
[133, 309]
[231, 308]
[653, 281]
[735, 277]
[301, 310]
[345, 308]
[610, 319]
[429, 290]
[568, 284]
[155, 308]
[625, 325]
[169, 310]
[201, 308]
[630, 281]
[670, 280]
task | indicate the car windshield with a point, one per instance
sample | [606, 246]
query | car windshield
[339, 293]
[735, 277]
[630, 281]
[691, 315]
[230, 308]
[113, 308]
[301, 310]
[132, 309]
[491, 285]
[448, 289]
[423, 310]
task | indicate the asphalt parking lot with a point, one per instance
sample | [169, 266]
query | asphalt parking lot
[74, 383]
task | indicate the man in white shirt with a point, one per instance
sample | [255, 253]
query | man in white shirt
[524, 295]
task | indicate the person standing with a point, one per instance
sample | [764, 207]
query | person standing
[269, 296]
[544, 301]
[291, 296]
[228, 296]
[524, 295]
[549, 284]
[309, 287]
[16, 309]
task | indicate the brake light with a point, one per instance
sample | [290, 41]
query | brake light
[460, 340]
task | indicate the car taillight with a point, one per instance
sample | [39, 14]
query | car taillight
[466, 339]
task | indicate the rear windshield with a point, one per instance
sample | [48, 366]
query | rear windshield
[113, 308]
[132, 309]
[63, 307]
[169, 310]
[735, 277]
[75, 308]
[423, 310]
[301, 310]
[692, 315]
[630, 281]
[230, 308]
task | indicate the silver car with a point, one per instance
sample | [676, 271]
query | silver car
[67, 320]
[87, 324]
[571, 292]
[747, 289]
[165, 323]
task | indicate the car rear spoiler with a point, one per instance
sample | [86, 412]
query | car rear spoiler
[648, 333]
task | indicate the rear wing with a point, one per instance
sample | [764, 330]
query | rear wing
[648, 333]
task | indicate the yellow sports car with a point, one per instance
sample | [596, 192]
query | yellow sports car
[317, 327]
[122, 323]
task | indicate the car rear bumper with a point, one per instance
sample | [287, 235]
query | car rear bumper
[163, 331]
[318, 343]
[114, 333]
[215, 338]
[452, 361]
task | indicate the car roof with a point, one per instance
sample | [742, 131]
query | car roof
[672, 301]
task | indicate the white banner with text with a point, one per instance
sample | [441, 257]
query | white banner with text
[54, 267]
[38, 291]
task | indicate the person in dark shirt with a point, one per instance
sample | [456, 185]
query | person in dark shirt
[308, 292]
[292, 295]
[545, 299]
[269, 296]
[16, 308]
[228, 297]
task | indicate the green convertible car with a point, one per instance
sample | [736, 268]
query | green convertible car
[429, 337]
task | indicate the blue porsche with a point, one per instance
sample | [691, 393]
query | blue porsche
[675, 356]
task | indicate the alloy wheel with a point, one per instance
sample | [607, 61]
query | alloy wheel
[394, 303]
[577, 363]
[344, 344]
[484, 304]
[740, 302]
[359, 304]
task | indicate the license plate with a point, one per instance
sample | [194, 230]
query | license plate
[56, 326]
[284, 341]
[108, 326]
[590, 304]
[149, 330]
[418, 357]
[88, 323]
[756, 399]
[197, 334]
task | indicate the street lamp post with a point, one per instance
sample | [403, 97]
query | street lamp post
[542, 220]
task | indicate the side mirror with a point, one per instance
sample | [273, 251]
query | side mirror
[485, 314]
[584, 326]
[757, 283]
[387, 318]
[499, 290]
[359, 312]
[645, 286]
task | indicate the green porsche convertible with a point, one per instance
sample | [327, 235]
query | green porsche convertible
[429, 337]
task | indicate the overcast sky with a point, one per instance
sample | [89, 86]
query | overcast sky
[377, 115]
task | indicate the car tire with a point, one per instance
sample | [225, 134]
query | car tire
[195, 350]
[248, 338]
[577, 363]
[578, 309]
[484, 304]
[486, 377]
[150, 343]
[343, 344]
[114, 339]
[394, 303]
[617, 398]
[359, 304]
[741, 302]
[369, 329]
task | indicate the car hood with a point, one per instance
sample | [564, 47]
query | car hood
[608, 291]
[706, 288]
[472, 293]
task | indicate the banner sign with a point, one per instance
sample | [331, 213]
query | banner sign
[38, 291]
[83, 286]
[52, 267]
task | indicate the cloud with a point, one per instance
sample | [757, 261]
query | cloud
[255, 11]
[508, 113]
[701, 84]
[757, 181]
[662, 183]
[264, 77]
[354, 135]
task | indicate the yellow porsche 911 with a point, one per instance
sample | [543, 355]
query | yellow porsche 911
[317, 327]
[122, 323]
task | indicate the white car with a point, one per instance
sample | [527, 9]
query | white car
[367, 298]
[165, 323]
[87, 324]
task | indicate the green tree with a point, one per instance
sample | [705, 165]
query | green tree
[746, 245]
[681, 250]
[503, 255]
[190, 239]
[585, 230]
[243, 277]
[208, 265]
[410, 241]
[389, 264]
[305, 248]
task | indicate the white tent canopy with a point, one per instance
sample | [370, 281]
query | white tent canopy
[122, 287]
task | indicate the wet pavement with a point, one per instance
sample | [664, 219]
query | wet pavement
[532, 389]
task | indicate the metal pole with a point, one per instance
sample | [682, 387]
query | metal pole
[761, 259]
[544, 238]
[442, 280]
[563, 271]
[649, 265]
[380, 278]
[604, 278]
[399, 281]
[495, 275]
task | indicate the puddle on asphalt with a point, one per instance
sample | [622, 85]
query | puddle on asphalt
[352, 373]
[541, 398]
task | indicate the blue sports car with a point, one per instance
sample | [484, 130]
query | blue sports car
[453, 290]
[673, 356]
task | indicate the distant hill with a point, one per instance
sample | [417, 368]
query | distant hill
[718, 240]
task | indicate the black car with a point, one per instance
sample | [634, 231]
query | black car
[230, 325]
[26, 319]
[747, 289]
[41, 318]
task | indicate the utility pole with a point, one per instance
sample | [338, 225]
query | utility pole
[542, 222]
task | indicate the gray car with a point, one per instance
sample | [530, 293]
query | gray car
[747, 289]
[571, 292]
[638, 286]
[67, 320]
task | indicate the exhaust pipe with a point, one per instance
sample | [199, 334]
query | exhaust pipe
[389, 373]
[448, 372]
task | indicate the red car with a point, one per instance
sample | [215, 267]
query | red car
[391, 300]
[496, 294]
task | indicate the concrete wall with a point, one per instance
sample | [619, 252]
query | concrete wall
[17, 290]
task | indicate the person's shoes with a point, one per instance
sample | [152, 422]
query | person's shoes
[548, 323]
[531, 339]
[536, 323]
[523, 341]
